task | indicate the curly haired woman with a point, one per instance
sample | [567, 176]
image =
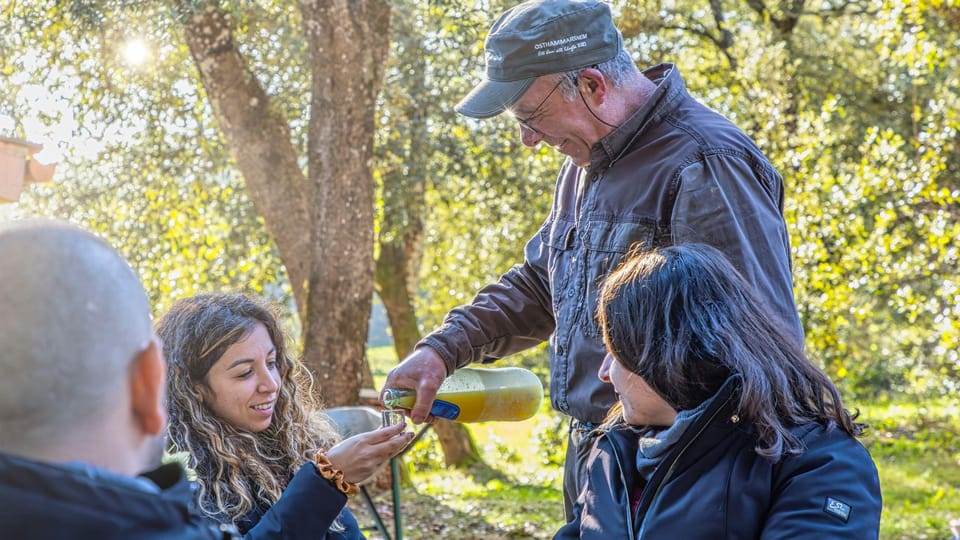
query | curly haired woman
[240, 407]
[723, 428]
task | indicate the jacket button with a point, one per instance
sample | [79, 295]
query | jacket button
[735, 419]
[559, 350]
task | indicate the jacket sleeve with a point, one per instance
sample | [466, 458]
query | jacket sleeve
[735, 205]
[832, 490]
[603, 506]
[305, 510]
[505, 317]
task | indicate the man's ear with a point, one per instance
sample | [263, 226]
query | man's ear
[592, 84]
[148, 382]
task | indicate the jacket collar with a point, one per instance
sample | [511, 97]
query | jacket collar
[721, 405]
[670, 91]
[66, 486]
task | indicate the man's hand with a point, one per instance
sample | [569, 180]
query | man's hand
[423, 371]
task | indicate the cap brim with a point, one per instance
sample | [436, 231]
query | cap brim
[490, 98]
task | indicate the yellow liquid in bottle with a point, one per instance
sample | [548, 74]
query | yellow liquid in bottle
[482, 395]
[497, 404]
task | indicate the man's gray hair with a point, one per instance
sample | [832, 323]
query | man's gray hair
[73, 316]
[616, 70]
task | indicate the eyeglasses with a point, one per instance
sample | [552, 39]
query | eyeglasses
[525, 122]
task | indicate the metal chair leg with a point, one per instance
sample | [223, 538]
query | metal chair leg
[376, 515]
[395, 480]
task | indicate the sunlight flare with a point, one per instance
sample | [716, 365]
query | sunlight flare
[135, 52]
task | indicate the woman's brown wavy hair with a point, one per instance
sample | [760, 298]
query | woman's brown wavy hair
[236, 470]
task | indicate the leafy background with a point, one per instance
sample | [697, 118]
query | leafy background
[855, 102]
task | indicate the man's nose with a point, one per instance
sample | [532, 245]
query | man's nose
[529, 136]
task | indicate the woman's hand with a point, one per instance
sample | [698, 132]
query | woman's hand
[361, 456]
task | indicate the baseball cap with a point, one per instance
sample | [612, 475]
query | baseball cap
[537, 38]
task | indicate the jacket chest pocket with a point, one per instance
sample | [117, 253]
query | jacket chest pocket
[606, 242]
[560, 238]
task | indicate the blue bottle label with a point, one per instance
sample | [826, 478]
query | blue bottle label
[445, 409]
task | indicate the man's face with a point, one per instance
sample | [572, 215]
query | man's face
[565, 125]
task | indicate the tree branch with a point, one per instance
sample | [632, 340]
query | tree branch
[257, 136]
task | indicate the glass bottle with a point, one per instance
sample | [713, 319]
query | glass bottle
[479, 395]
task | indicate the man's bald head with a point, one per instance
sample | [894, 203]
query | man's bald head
[73, 317]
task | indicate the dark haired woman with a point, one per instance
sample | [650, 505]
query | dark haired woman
[723, 428]
[240, 409]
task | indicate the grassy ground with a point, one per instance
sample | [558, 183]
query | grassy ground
[917, 453]
[916, 449]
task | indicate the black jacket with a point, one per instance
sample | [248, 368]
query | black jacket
[712, 484]
[306, 509]
[40, 501]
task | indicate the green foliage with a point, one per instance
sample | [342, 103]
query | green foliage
[148, 169]
[550, 437]
[915, 447]
[876, 211]
[858, 109]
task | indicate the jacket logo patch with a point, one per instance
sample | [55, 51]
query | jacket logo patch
[838, 509]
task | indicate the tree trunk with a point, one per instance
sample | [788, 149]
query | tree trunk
[393, 273]
[401, 233]
[322, 223]
[258, 138]
[348, 43]
[459, 448]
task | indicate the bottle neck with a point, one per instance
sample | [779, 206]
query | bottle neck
[392, 396]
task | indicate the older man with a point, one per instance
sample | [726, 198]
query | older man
[82, 410]
[647, 166]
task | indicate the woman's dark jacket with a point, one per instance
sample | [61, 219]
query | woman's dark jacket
[712, 484]
[40, 501]
[305, 510]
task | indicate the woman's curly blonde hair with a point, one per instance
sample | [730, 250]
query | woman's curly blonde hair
[236, 470]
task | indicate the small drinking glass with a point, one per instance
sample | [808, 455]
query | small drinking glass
[391, 417]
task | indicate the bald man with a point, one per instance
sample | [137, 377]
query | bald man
[82, 412]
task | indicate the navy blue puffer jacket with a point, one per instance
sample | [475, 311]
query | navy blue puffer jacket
[712, 484]
[43, 501]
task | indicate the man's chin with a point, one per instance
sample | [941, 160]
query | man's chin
[579, 161]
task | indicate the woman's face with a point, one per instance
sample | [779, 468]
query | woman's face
[243, 384]
[641, 405]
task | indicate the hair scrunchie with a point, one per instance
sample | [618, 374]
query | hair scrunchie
[334, 476]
